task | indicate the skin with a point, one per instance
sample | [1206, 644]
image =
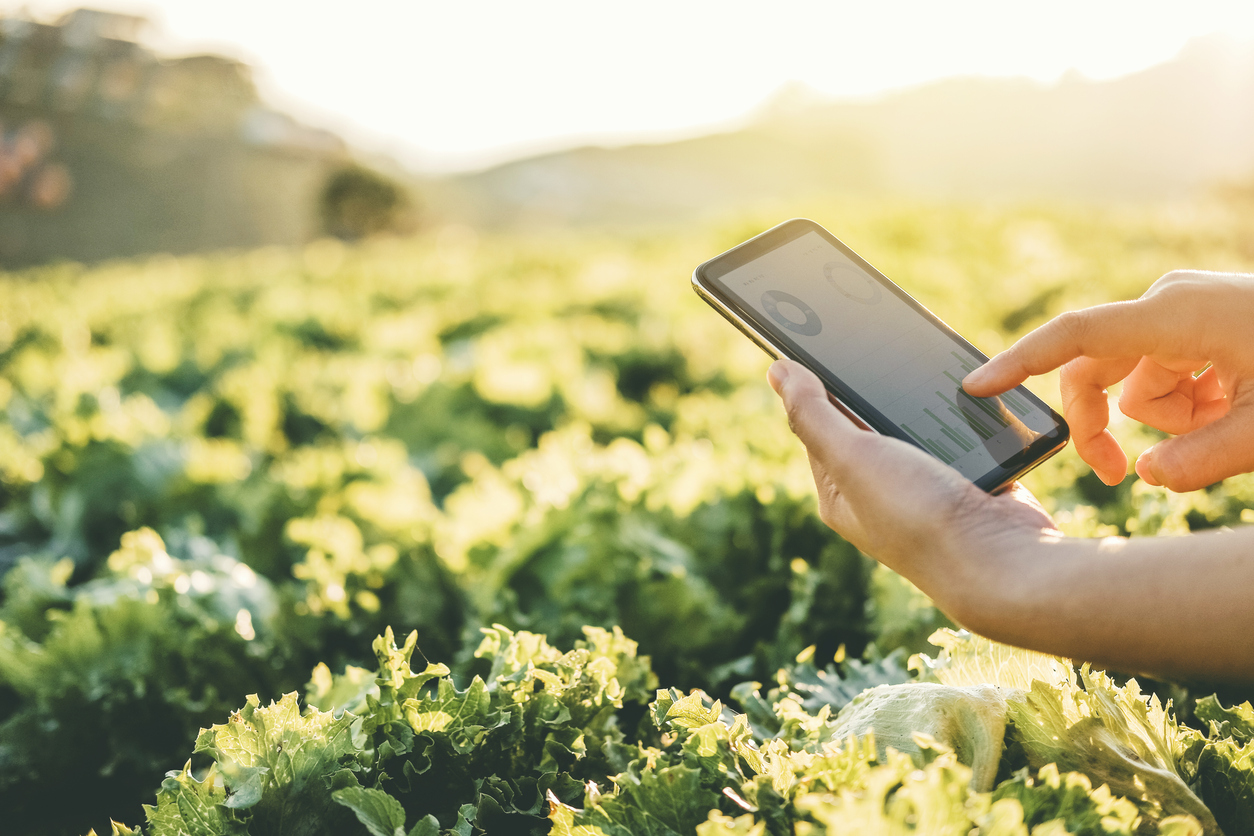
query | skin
[1178, 607]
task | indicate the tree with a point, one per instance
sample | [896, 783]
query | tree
[357, 202]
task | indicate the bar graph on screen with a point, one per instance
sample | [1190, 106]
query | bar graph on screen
[956, 423]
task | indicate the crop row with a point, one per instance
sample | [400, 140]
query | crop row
[217, 473]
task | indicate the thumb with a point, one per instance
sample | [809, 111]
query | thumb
[827, 434]
[1204, 456]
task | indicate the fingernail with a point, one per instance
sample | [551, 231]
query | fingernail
[974, 377]
[1144, 467]
[777, 374]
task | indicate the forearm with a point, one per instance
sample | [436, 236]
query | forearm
[1170, 606]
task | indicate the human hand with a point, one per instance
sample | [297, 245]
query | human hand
[1156, 345]
[902, 506]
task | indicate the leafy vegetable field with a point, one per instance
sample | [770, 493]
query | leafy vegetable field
[231, 486]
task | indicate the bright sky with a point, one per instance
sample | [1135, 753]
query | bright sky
[461, 83]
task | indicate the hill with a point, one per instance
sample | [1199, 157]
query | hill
[109, 149]
[1167, 132]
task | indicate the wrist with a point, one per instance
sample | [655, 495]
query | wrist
[999, 582]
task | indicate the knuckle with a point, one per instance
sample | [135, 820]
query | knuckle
[1074, 325]
[1071, 371]
[1130, 404]
[1189, 276]
[1173, 282]
[1070, 382]
[1174, 276]
[1180, 286]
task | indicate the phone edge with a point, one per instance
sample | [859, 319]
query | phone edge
[763, 342]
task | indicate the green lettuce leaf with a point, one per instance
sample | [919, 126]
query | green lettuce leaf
[1070, 799]
[185, 805]
[970, 721]
[277, 763]
[382, 814]
[1112, 734]
[1236, 722]
[899, 797]
[667, 801]
[1221, 766]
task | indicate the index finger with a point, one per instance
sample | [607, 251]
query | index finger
[1104, 332]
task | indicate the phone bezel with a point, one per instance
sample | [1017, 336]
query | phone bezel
[776, 344]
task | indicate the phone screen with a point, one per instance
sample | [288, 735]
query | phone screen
[885, 356]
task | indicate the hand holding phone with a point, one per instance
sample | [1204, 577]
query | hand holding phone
[903, 507]
[884, 359]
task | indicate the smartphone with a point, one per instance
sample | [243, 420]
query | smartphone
[887, 361]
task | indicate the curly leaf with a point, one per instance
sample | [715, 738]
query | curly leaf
[464, 717]
[185, 805]
[1236, 722]
[276, 763]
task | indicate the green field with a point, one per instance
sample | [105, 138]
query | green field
[227, 475]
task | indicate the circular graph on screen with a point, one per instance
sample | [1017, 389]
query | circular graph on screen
[794, 314]
[852, 283]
